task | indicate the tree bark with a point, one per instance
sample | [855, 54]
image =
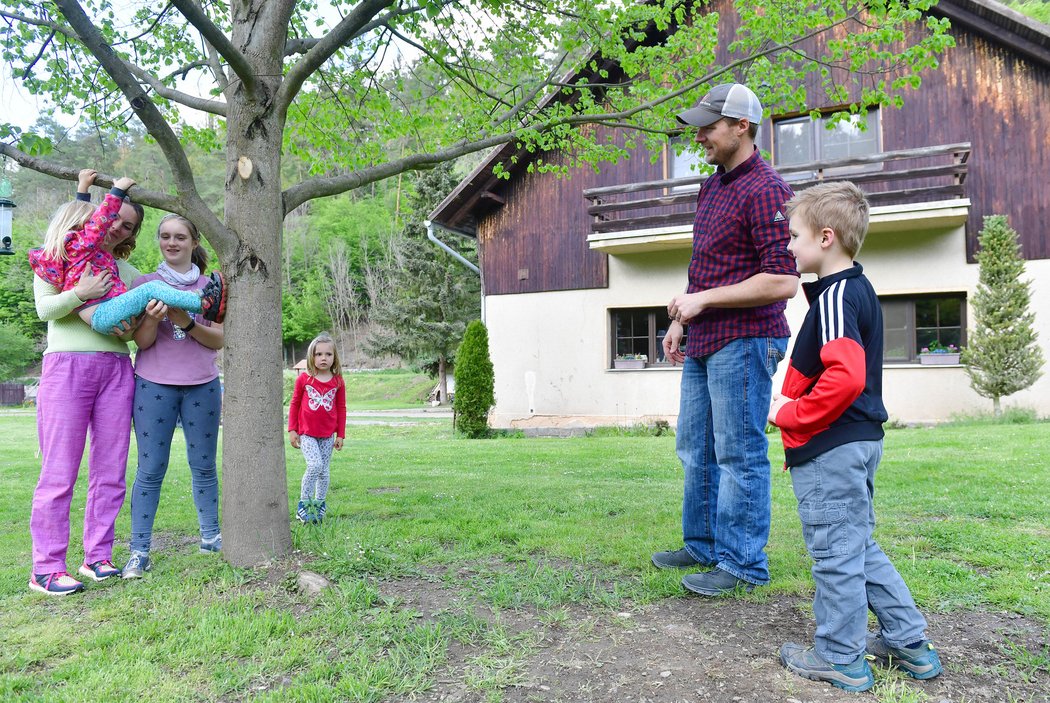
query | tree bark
[442, 380]
[255, 496]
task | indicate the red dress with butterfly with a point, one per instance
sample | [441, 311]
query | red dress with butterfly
[318, 407]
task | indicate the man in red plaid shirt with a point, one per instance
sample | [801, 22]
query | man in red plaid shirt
[740, 276]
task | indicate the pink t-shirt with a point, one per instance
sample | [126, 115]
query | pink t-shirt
[176, 358]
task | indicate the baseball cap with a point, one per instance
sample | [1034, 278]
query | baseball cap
[726, 100]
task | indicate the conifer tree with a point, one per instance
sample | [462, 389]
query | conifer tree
[1002, 356]
[475, 382]
[431, 296]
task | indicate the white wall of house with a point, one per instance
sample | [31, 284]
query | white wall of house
[550, 351]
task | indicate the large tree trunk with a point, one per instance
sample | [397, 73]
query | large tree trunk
[255, 499]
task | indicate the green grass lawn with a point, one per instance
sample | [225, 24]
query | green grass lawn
[963, 511]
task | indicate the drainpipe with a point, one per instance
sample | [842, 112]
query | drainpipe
[431, 226]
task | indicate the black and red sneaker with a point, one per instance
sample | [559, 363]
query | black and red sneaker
[213, 298]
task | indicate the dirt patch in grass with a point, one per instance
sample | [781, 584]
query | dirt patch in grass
[697, 649]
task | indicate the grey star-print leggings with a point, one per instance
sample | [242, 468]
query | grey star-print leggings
[318, 454]
[156, 411]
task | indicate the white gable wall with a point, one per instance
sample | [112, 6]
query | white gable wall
[551, 351]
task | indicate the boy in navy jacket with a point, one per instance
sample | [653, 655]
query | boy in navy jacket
[830, 415]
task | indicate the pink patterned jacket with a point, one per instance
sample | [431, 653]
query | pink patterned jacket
[83, 247]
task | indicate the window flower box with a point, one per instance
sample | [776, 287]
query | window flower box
[939, 359]
[939, 355]
[630, 361]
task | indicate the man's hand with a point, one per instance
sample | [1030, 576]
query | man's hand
[672, 344]
[686, 306]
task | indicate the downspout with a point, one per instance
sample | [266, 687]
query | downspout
[431, 226]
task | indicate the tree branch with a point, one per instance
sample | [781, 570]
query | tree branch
[152, 198]
[216, 38]
[151, 118]
[349, 27]
[321, 187]
[215, 107]
[221, 79]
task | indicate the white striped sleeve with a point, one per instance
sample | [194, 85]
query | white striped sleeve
[832, 324]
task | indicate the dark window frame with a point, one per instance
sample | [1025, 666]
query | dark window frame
[817, 137]
[655, 330]
[918, 336]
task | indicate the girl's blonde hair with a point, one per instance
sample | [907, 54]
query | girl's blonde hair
[199, 257]
[73, 216]
[68, 218]
[323, 338]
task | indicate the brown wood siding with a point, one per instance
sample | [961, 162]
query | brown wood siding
[994, 99]
[541, 231]
[983, 93]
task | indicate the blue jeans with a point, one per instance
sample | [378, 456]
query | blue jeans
[721, 441]
[157, 408]
[834, 492]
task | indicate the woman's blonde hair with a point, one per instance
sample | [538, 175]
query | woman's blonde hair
[323, 338]
[68, 218]
[199, 257]
[73, 216]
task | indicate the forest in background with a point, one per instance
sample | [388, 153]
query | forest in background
[341, 254]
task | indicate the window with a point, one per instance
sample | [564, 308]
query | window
[639, 332]
[911, 323]
[800, 140]
[688, 163]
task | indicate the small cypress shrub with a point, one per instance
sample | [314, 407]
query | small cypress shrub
[1002, 355]
[475, 393]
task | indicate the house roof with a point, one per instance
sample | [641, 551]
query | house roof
[999, 23]
[988, 18]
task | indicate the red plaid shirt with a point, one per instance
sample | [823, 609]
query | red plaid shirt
[740, 230]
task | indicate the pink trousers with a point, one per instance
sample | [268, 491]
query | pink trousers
[81, 394]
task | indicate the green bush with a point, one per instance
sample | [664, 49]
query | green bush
[19, 352]
[474, 382]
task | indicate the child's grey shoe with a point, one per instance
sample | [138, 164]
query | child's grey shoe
[677, 559]
[212, 544]
[716, 582]
[919, 662]
[856, 676]
[136, 567]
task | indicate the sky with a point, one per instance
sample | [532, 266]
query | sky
[19, 107]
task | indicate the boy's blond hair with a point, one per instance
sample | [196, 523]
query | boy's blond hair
[840, 206]
[68, 218]
[323, 338]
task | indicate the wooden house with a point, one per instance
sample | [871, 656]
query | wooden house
[577, 271]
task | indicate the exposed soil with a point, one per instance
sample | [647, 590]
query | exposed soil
[697, 649]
